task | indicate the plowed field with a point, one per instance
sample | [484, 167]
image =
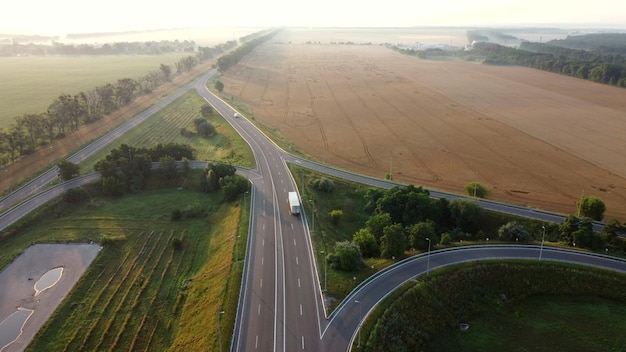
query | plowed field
[532, 137]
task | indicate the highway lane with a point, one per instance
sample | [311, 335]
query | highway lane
[280, 251]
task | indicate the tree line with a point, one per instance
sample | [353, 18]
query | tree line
[597, 67]
[407, 219]
[68, 112]
[231, 59]
[118, 48]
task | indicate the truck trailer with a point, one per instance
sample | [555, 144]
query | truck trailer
[294, 203]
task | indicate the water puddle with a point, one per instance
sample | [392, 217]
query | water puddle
[48, 280]
[11, 327]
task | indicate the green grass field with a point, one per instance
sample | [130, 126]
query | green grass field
[164, 127]
[141, 293]
[30, 84]
[544, 324]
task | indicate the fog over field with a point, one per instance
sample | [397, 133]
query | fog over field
[73, 16]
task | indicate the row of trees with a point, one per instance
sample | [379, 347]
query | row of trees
[614, 43]
[119, 48]
[227, 61]
[597, 67]
[406, 219]
[68, 112]
[127, 168]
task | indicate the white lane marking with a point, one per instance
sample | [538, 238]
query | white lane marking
[262, 260]
[256, 342]
[259, 310]
[299, 282]
[302, 342]
[301, 309]
[297, 261]
[263, 227]
[261, 284]
[263, 243]
[281, 181]
[292, 226]
[294, 241]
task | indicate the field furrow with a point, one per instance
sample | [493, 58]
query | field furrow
[132, 286]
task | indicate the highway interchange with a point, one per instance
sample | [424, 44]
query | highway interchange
[281, 305]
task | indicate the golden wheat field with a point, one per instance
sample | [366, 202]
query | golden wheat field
[532, 137]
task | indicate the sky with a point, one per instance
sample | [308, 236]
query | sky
[53, 17]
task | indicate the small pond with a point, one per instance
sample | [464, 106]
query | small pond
[11, 327]
[48, 280]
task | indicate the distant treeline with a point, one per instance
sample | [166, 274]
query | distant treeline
[611, 43]
[227, 61]
[135, 48]
[595, 57]
[597, 67]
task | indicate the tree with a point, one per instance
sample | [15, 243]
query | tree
[475, 189]
[233, 186]
[206, 110]
[466, 214]
[568, 227]
[512, 231]
[418, 234]
[204, 128]
[166, 70]
[377, 223]
[393, 242]
[366, 242]
[346, 256]
[591, 207]
[219, 86]
[167, 168]
[68, 170]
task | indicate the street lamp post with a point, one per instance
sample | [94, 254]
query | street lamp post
[219, 330]
[313, 217]
[428, 258]
[542, 240]
[359, 326]
[325, 271]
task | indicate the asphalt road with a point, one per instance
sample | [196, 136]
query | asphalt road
[281, 306]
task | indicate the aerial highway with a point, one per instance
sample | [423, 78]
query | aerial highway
[281, 306]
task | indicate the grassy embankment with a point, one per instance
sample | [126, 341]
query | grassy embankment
[30, 84]
[165, 126]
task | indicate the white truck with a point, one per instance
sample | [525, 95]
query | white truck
[294, 203]
[236, 115]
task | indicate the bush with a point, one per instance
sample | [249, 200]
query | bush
[335, 216]
[347, 257]
[512, 231]
[176, 215]
[323, 184]
[476, 189]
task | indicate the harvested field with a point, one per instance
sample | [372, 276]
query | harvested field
[533, 138]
